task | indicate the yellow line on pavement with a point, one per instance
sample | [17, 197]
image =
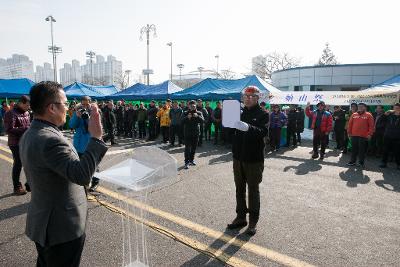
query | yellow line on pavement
[228, 259]
[256, 249]
[5, 149]
[6, 158]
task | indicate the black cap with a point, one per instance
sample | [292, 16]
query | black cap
[191, 102]
[321, 103]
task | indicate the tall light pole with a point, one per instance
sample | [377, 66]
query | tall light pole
[180, 66]
[146, 30]
[90, 55]
[170, 44]
[54, 50]
[200, 69]
[217, 57]
[127, 72]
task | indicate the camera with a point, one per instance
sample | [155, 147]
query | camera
[85, 113]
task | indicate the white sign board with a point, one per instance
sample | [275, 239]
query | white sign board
[333, 97]
[230, 113]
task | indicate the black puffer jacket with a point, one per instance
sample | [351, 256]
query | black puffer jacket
[191, 127]
[249, 146]
[392, 129]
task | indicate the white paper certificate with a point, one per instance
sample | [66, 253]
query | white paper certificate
[230, 113]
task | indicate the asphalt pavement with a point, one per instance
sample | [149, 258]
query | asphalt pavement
[313, 213]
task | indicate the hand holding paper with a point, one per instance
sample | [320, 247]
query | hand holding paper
[241, 126]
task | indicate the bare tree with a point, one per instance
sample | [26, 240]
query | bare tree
[264, 66]
[86, 79]
[121, 80]
[104, 80]
[327, 57]
[227, 74]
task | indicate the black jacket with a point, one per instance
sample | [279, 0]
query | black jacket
[204, 112]
[392, 129]
[292, 120]
[300, 120]
[380, 123]
[191, 127]
[109, 118]
[249, 146]
[152, 113]
[340, 122]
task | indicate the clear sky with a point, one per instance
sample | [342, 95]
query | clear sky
[358, 31]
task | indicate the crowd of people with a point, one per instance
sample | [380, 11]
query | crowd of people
[58, 172]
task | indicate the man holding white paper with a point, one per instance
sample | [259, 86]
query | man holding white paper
[248, 159]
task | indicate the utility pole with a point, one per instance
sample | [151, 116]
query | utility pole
[54, 50]
[170, 44]
[146, 30]
[180, 66]
[90, 55]
[217, 57]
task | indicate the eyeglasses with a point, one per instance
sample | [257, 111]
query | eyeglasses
[66, 104]
[249, 96]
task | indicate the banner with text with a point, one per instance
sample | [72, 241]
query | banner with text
[342, 98]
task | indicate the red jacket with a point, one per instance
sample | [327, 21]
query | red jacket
[16, 122]
[361, 125]
[326, 121]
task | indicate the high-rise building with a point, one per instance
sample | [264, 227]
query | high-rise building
[18, 66]
[44, 73]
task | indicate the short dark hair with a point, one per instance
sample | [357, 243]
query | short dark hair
[42, 94]
[381, 106]
[362, 104]
[397, 105]
[23, 99]
[263, 104]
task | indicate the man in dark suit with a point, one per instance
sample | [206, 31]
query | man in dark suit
[57, 213]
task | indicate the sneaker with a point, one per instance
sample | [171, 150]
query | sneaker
[383, 165]
[186, 166]
[314, 155]
[192, 163]
[19, 190]
[237, 223]
[351, 163]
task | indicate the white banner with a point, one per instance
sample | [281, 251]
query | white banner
[343, 98]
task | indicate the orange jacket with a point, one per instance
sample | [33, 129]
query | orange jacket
[361, 125]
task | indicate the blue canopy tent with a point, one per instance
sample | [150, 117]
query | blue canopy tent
[12, 88]
[78, 89]
[218, 89]
[141, 91]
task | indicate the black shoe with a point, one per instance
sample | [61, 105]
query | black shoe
[192, 163]
[237, 223]
[27, 187]
[114, 143]
[314, 155]
[351, 163]
[321, 157]
[186, 166]
[251, 231]
[361, 165]
[94, 185]
[384, 165]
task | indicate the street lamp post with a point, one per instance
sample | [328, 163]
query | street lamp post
[180, 66]
[200, 69]
[54, 50]
[170, 44]
[217, 57]
[146, 30]
[90, 55]
[127, 72]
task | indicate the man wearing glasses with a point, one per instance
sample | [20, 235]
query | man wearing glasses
[248, 160]
[56, 218]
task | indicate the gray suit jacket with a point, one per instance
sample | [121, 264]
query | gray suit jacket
[58, 208]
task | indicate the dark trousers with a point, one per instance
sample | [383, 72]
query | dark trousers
[298, 136]
[201, 134]
[319, 139]
[17, 166]
[110, 135]
[152, 129]
[207, 131]
[391, 145]
[190, 147]
[377, 144]
[359, 148]
[339, 136]
[165, 133]
[173, 131]
[61, 255]
[142, 129]
[291, 135]
[275, 138]
[249, 174]
[346, 141]
[218, 132]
